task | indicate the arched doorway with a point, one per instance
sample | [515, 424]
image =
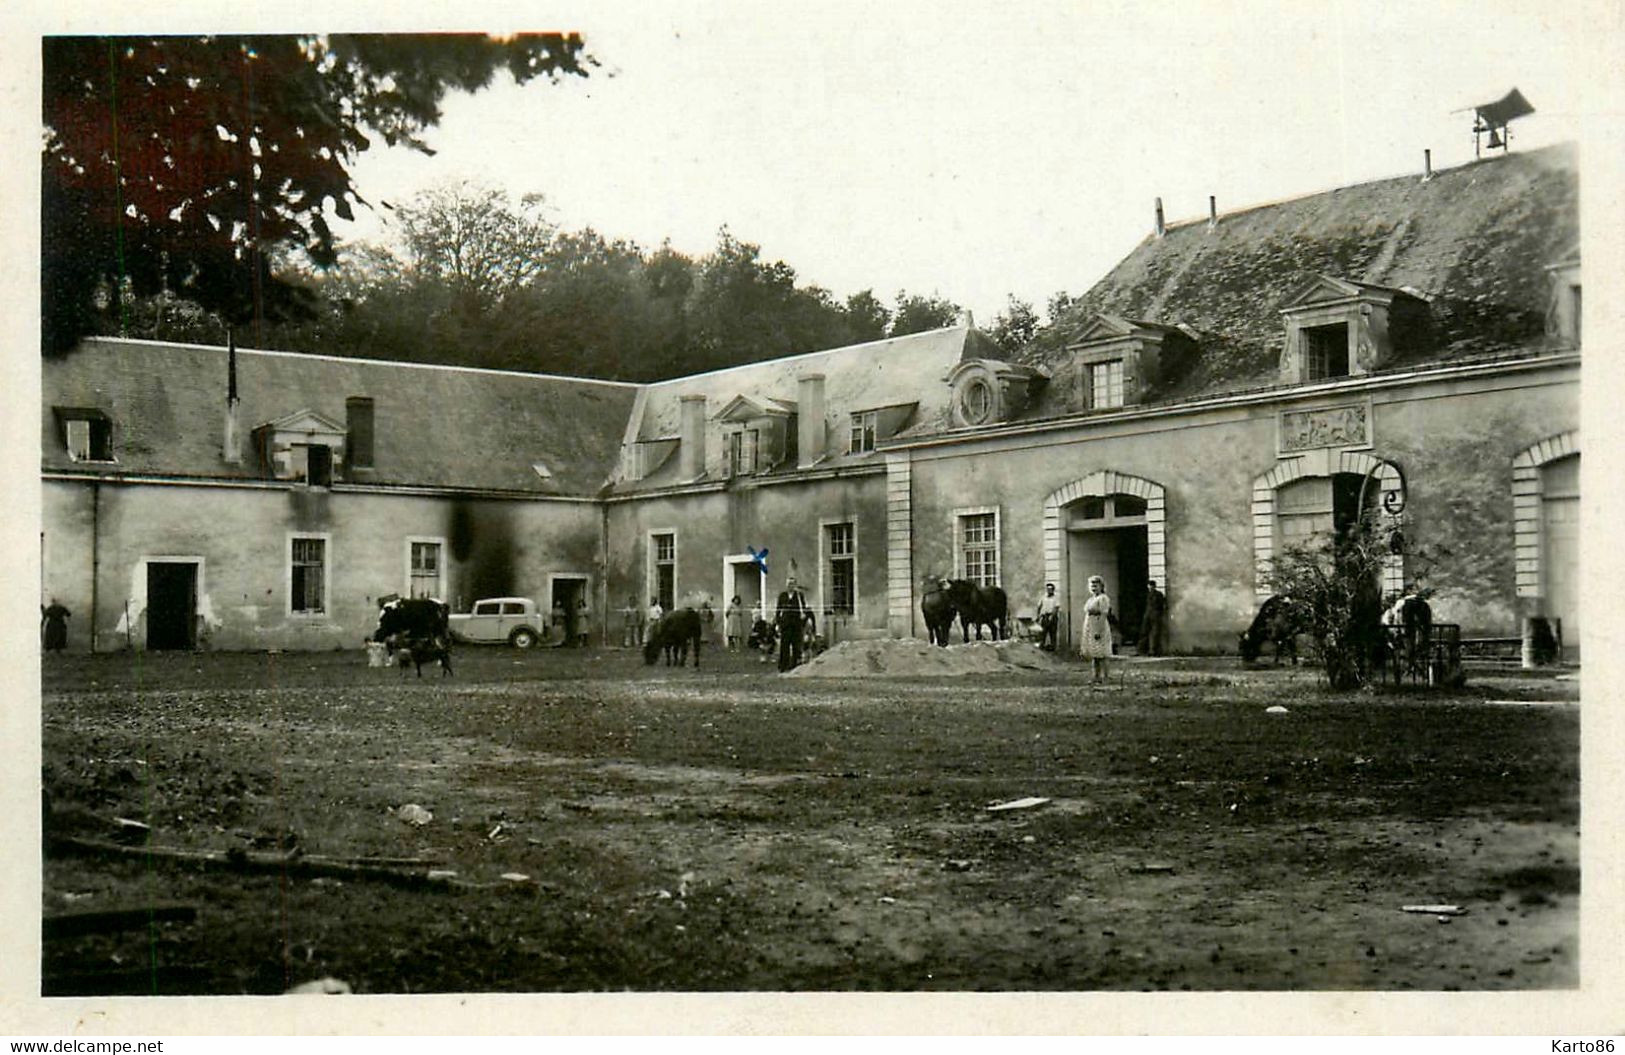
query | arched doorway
[1546, 529]
[1297, 500]
[1109, 524]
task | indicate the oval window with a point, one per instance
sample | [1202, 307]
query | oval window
[976, 401]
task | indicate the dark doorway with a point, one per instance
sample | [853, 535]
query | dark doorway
[568, 594]
[171, 605]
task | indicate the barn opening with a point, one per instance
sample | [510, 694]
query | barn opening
[171, 605]
[1107, 535]
[1560, 548]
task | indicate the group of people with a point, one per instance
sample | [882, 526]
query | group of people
[1098, 620]
[572, 627]
[793, 624]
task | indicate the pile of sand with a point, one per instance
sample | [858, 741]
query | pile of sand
[912, 657]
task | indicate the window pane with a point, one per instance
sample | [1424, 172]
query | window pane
[1128, 506]
[513, 608]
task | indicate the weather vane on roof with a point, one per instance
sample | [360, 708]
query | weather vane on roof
[1493, 118]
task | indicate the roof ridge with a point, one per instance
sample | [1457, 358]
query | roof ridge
[144, 342]
[805, 355]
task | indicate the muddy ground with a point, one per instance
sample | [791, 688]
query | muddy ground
[730, 829]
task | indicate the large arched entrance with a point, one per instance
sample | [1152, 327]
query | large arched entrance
[1546, 529]
[1300, 498]
[1109, 524]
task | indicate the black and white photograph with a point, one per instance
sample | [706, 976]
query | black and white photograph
[910, 503]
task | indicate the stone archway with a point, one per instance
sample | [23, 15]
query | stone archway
[1390, 496]
[1530, 515]
[1103, 484]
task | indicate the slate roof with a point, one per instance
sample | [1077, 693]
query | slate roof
[867, 376]
[435, 426]
[1473, 241]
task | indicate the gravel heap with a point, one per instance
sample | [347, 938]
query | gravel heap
[912, 657]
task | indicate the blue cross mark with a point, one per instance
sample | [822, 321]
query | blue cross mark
[759, 558]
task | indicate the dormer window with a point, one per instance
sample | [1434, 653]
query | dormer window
[1563, 302]
[88, 434]
[987, 391]
[865, 425]
[1117, 362]
[1337, 328]
[303, 446]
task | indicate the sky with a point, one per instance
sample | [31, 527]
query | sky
[976, 151]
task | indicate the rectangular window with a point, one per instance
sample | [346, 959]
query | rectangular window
[1106, 384]
[865, 427]
[424, 575]
[1326, 352]
[664, 552]
[840, 541]
[742, 448]
[979, 548]
[308, 579]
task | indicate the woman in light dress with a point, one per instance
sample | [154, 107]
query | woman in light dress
[1097, 627]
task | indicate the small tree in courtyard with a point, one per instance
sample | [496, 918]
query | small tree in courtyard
[1335, 587]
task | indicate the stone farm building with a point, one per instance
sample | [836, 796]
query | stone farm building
[1231, 386]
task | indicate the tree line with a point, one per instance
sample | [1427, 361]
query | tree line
[187, 184]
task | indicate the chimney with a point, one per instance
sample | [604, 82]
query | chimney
[1427, 165]
[1162, 228]
[1212, 212]
[810, 420]
[691, 437]
[231, 448]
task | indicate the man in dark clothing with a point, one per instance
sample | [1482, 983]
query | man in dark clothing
[790, 617]
[54, 625]
[1152, 630]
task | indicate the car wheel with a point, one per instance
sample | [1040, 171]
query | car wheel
[524, 637]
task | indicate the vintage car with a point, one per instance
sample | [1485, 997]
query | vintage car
[498, 619]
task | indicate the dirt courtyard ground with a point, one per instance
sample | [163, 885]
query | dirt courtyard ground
[596, 824]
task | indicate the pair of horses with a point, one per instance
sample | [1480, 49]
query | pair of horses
[948, 599]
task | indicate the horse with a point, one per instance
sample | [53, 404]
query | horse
[1280, 620]
[938, 611]
[1407, 637]
[673, 634]
[979, 605]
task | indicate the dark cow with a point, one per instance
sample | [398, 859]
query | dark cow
[1279, 622]
[978, 606]
[673, 634]
[419, 627]
[938, 610]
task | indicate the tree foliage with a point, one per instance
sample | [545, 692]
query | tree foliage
[1333, 583]
[1015, 327]
[916, 313]
[183, 165]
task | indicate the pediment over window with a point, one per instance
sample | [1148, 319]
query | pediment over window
[742, 409]
[1117, 361]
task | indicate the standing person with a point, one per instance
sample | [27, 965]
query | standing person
[559, 617]
[733, 623]
[631, 623]
[583, 625]
[53, 621]
[790, 617]
[1097, 627]
[708, 618]
[653, 615]
[1152, 627]
[1049, 616]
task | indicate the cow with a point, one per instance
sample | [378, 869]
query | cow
[418, 627]
[1409, 626]
[673, 634]
[1279, 621]
[978, 606]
